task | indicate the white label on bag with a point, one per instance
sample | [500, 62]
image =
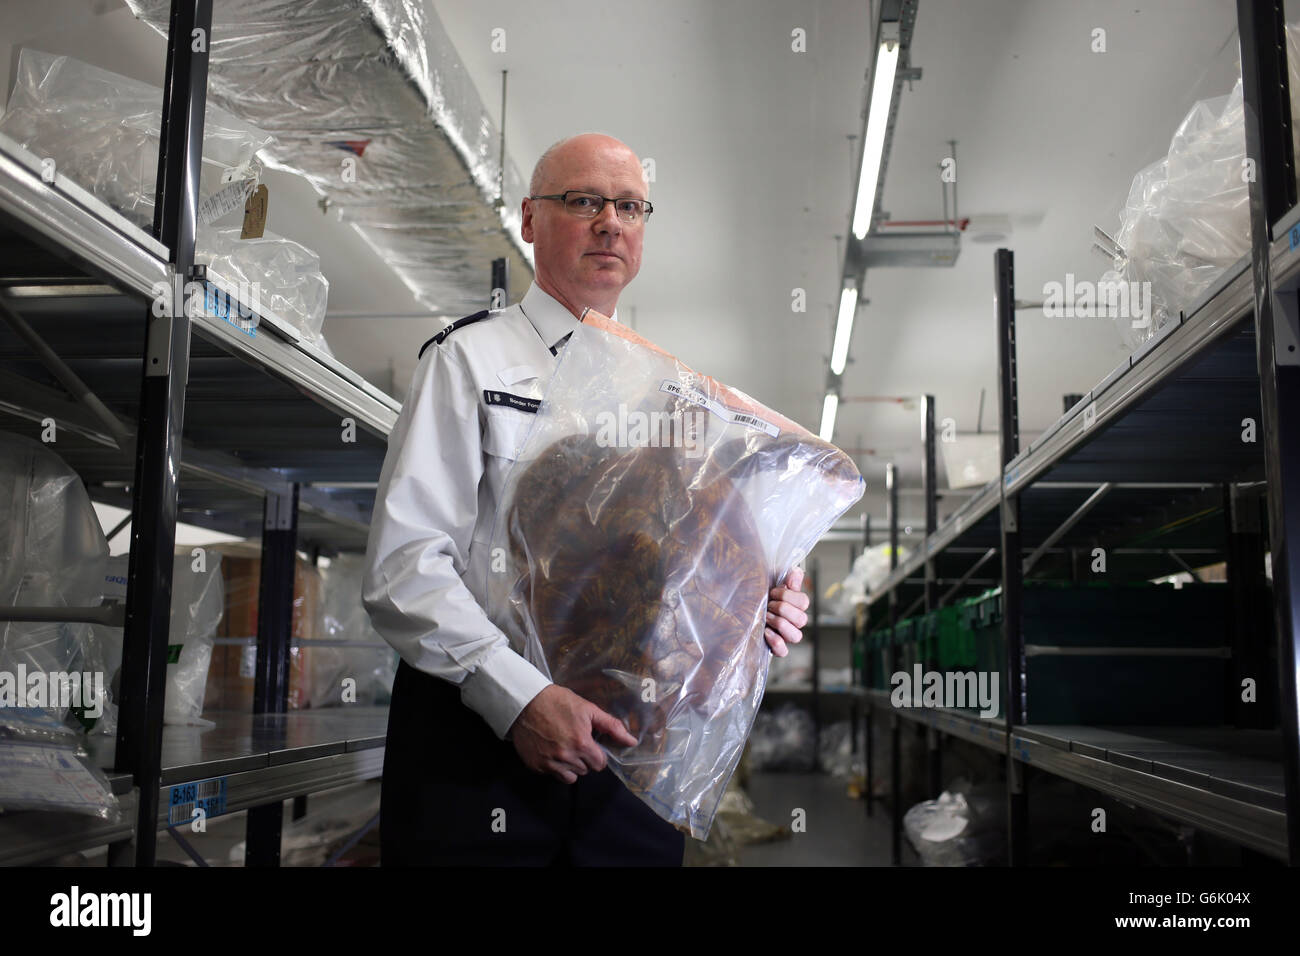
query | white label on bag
[696, 397]
[223, 202]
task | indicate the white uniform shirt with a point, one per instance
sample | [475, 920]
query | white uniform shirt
[448, 457]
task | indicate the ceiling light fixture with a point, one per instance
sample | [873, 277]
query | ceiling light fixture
[873, 145]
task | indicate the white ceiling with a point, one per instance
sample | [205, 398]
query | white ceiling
[754, 179]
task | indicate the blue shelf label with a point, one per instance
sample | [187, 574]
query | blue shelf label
[1295, 236]
[185, 798]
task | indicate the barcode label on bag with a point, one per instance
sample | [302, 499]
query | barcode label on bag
[696, 397]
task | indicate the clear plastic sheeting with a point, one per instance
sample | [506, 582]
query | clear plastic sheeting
[54, 553]
[281, 276]
[1187, 217]
[102, 132]
[369, 100]
[648, 515]
[343, 618]
[965, 826]
[198, 602]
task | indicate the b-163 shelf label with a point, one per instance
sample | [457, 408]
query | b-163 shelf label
[209, 795]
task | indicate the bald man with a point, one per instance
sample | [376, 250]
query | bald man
[487, 761]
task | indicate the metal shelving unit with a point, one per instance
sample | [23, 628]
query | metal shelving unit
[254, 432]
[1150, 465]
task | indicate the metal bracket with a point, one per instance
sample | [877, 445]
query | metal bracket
[279, 509]
[1286, 328]
[1009, 520]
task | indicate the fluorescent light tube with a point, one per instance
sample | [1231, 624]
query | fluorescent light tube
[844, 329]
[873, 146]
[829, 406]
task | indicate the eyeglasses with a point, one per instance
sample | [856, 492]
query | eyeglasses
[589, 205]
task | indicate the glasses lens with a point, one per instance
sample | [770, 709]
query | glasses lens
[585, 205]
[630, 210]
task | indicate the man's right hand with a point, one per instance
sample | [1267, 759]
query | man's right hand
[553, 734]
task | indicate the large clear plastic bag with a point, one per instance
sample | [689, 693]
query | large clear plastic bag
[648, 514]
[280, 275]
[1187, 216]
[53, 555]
[198, 602]
[102, 131]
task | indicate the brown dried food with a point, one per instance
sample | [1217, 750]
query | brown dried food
[638, 574]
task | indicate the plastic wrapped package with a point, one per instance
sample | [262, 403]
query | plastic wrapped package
[343, 618]
[54, 553]
[965, 826]
[649, 512]
[1187, 216]
[281, 276]
[102, 131]
[44, 766]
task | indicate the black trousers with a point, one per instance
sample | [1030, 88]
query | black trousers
[455, 795]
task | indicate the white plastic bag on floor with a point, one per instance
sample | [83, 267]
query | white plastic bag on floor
[648, 515]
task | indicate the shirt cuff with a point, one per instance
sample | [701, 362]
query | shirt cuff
[501, 687]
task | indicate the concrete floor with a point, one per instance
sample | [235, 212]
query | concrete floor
[838, 831]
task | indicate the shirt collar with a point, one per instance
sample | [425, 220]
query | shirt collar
[551, 319]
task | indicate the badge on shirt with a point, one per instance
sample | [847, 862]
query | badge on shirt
[512, 401]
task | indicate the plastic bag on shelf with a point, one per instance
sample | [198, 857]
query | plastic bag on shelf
[53, 555]
[102, 132]
[43, 766]
[647, 516]
[198, 601]
[870, 570]
[343, 618]
[1187, 216]
[963, 827]
[273, 273]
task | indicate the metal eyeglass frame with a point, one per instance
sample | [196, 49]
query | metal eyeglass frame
[563, 197]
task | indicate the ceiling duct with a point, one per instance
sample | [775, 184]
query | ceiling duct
[370, 102]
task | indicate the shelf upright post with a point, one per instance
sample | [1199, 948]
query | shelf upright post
[929, 486]
[1013, 684]
[161, 415]
[895, 731]
[1261, 25]
[274, 632]
[1248, 593]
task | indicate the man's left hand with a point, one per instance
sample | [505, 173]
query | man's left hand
[785, 613]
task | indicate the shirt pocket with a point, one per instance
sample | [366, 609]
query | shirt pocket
[505, 431]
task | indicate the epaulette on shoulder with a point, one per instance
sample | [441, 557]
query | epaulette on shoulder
[459, 323]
